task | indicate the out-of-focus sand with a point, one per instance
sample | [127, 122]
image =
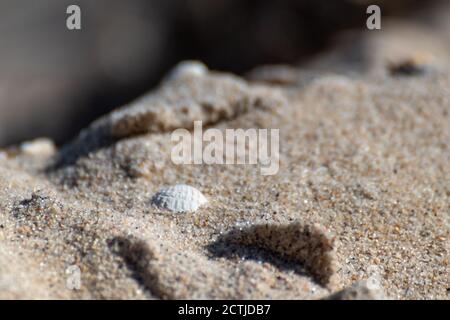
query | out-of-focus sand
[362, 191]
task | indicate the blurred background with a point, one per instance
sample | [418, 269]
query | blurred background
[53, 81]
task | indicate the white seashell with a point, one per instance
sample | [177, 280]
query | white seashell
[179, 198]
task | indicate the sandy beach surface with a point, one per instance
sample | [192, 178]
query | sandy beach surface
[362, 191]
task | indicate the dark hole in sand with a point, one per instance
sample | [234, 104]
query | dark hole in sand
[301, 248]
[222, 249]
[408, 69]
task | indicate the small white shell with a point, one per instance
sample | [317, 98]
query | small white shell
[179, 198]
